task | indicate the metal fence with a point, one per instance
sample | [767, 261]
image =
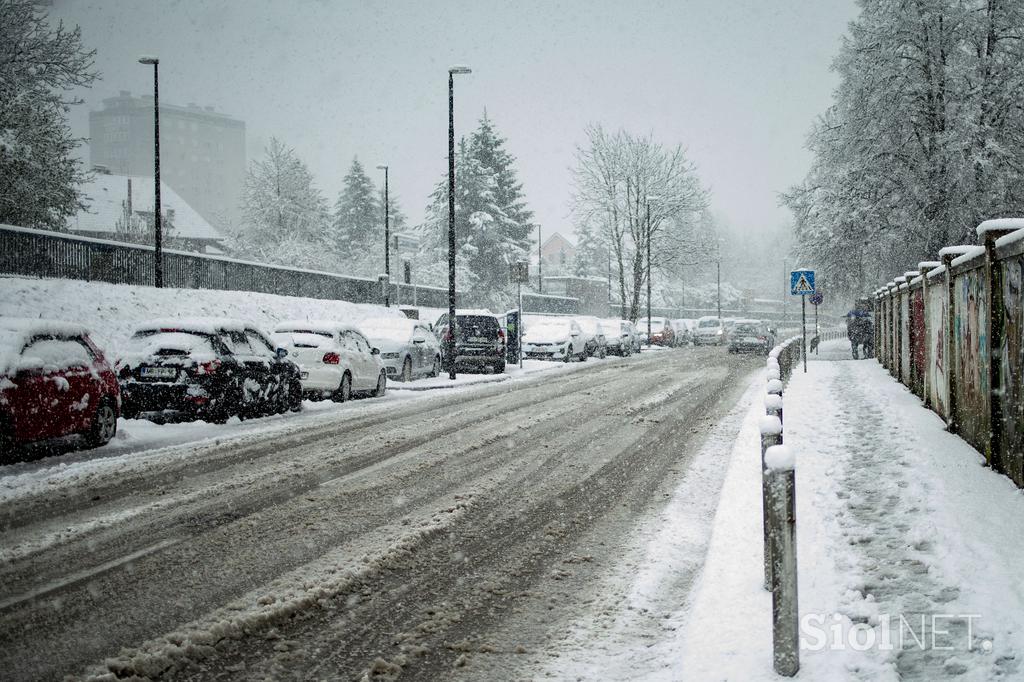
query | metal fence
[953, 332]
[40, 253]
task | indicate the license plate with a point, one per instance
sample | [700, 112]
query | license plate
[477, 339]
[159, 372]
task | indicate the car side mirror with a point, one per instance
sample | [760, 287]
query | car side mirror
[282, 353]
[419, 340]
[375, 351]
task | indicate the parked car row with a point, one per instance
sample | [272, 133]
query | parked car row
[55, 381]
[578, 338]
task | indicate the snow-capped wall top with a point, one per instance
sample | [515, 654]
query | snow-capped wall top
[911, 274]
[969, 255]
[954, 250]
[928, 264]
[1000, 224]
[935, 272]
[899, 280]
[1010, 238]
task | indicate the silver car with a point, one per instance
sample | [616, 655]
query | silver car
[408, 348]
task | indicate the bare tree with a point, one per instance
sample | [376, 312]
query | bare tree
[618, 179]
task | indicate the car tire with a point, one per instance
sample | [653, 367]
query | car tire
[9, 448]
[104, 425]
[435, 371]
[568, 354]
[344, 392]
[499, 368]
[406, 370]
[382, 386]
[602, 352]
[295, 396]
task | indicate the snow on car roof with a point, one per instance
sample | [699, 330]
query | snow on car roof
[198, 325]
[322, 326]
[15, 332]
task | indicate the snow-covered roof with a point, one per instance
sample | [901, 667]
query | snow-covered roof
[1000, 224]
[318, 326]
[199, 325]
[15, 332]
[108, 194]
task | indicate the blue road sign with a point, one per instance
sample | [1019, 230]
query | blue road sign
[801, 282]
[817, 298]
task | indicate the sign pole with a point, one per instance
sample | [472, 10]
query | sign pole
[817, 332]
[803, 323]
[519, 324]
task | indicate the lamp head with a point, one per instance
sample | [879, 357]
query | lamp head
[381, 166]
[148, 59]
[459, 68]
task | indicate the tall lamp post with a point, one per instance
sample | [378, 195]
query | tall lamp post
[158, 251]
[387, 239]
[718, 273]
[450, 341]
[648, 201]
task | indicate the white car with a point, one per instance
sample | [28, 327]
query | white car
[554, 339]
[595, 341]
[620, 337]
[335, 360]
[710, 331]
[408, 348]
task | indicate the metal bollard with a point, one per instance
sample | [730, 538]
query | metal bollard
[781, 506]
[771, 435]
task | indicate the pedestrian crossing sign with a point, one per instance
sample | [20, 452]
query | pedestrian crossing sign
[801, 282]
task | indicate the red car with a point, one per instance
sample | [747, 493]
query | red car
[54, 382]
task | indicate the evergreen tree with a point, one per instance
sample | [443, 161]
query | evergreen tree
[39, 177]
[285, 214]
[488, 149]
[358, 217]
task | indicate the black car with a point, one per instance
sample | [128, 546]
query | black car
[209, 369]
[479, 341]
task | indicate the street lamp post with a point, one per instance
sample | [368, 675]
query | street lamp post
[387, 239]
[718, 274]
[158, 250]
[450, 341]
[648, 202]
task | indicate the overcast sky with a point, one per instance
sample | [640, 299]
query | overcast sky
[737, 82]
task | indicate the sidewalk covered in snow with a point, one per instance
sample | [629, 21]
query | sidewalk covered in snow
[908, 546]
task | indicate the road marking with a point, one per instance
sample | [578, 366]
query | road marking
[87, 573]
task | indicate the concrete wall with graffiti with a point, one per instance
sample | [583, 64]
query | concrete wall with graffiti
[966, 363]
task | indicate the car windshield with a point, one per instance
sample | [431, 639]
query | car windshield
[477, 325]
[397, 330]
[706, 324]
[746, 329]
[590, 327]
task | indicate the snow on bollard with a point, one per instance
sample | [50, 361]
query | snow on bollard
[773, 405]
[774, 374]
[774, 385]
[771, 434]
[780, 475]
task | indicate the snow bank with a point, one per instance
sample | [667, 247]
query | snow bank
[112, 311]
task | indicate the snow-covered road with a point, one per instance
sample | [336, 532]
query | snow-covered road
[448, 530]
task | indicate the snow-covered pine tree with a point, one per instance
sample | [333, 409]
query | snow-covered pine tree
[358, 223]
[285, 215]
[39, 177]
[488, 149]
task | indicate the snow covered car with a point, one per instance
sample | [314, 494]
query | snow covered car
[750, 336]
[554, 339]
[710, 332]
[619, 336]
[205, 368]
[479, 341]
[595, 340]
[661, 331]
[408, 348]
[335, 359]
[683, 331]
[54, 382]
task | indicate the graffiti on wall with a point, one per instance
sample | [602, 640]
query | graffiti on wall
[972, 353]
[917, 339]
[905, 335]
[1011, 356]
[938, 388]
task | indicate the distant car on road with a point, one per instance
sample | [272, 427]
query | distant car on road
[408, 348]
[661, 331]
[54, 381]
[620, 337]
[710, 332]
[683, 331]
[555, 338]
[206, 368]
[750, 336]
[479, 340]
[335, 359]
[595, 340]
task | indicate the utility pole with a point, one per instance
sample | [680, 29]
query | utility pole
[387, 240]
[452, 330]
[158, 237]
